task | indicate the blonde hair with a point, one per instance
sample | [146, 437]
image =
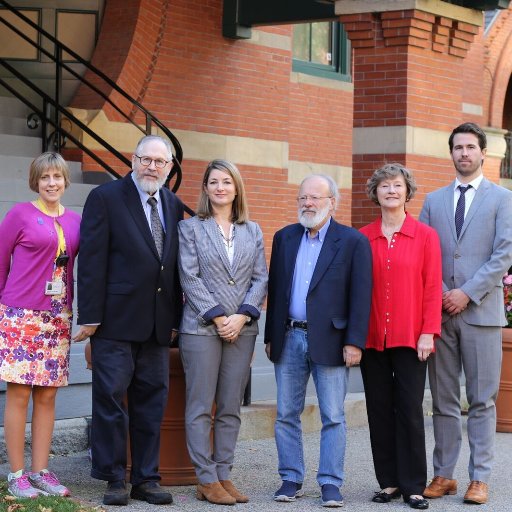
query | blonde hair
[240, 211]
[44, 162]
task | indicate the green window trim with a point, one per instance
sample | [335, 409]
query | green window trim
[341, 61]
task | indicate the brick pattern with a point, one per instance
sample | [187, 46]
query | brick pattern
[409, 69]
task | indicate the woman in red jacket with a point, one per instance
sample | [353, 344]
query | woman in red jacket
[404, 319]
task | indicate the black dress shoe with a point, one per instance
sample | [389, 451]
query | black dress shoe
[152, 493]
[385, 497]
[116, 493]
[418, 503]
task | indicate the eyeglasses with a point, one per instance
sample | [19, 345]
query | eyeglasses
[160, 163]
[313, 199]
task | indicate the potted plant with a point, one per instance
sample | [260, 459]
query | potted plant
[504, 400]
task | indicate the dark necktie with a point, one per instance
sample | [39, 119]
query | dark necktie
[461, 207]
[156, 227]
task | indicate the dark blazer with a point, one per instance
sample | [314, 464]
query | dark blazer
[122, 284]
[339, 297]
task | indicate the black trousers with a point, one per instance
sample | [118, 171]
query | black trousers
[394, 383]
[134, 373]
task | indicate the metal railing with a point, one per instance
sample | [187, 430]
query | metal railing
[51, 113]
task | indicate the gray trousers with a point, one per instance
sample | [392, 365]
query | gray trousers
[216, 372]
[477, 349]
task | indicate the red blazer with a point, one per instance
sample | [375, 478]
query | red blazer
[407, 285]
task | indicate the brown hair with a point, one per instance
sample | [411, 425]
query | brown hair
[387, 172]
[240, 212]
[45, 161]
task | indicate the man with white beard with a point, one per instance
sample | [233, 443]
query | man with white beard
[129, 303]
[318, 307]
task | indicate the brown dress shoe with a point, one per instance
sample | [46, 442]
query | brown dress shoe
[231, 489]
[477, 493]
[214, 493]
[439, 487]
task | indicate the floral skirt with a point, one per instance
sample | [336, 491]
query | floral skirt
[35, 344]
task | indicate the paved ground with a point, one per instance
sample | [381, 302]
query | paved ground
[255, 473]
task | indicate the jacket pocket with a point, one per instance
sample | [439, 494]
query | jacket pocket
[119, 288]
[339, 323]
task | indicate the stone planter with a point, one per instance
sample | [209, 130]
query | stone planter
[504, 400]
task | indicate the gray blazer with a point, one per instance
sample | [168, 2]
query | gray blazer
[477, 261]
[208, 279]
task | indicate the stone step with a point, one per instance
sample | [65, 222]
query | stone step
[17, 168]
[19, 145]
[17, 126]
[11, 106]
[16, 191]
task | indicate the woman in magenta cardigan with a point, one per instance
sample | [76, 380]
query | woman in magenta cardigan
[39, 242]
[405, 317]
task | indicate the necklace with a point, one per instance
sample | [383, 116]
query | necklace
[228, 241]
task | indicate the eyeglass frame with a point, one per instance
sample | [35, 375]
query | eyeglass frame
[153, 160]
[314, 199]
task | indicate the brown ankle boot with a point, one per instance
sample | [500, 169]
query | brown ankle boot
[229, 486]
[214, 493]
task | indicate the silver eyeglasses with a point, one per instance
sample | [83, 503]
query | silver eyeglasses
[160, 163]
[313, 199]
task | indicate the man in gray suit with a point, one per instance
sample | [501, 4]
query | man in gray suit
[473, 218]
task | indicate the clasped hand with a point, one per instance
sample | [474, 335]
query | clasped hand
[229, 327]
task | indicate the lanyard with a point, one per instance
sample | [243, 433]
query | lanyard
[61, 247]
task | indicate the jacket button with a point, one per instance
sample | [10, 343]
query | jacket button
[162, 267]
[159, 290]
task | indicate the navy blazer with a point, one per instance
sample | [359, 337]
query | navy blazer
[122, 284]
[339, 296]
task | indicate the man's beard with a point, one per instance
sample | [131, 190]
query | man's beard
[150, 186]
[309, 221]
[468, 171]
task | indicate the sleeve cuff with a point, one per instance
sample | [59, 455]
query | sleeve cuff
[212, 313]
[247, 309]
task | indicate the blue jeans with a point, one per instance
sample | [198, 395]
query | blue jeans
[292, 375]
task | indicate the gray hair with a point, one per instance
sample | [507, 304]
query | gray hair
[333, 187]
[150, 138]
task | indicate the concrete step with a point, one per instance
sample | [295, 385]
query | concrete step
[11, 106]
[17, 190]
[17, 126]
[19, 145]
[17, 167]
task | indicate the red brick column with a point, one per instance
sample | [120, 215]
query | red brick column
[408, 86]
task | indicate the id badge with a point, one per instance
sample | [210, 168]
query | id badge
[53, 288]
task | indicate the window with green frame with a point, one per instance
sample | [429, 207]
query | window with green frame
[321, 49]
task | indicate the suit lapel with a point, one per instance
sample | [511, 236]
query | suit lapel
[212, 231]
[291, 248]
[241, 238]
[449, 208]
[478, 200]
[134, 206]
[170, 220]
[329, 249]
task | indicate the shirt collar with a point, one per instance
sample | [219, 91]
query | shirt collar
[321, 232]
[408, 228]
[144, 196]
[475, 183]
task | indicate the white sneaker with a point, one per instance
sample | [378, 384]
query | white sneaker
[20, 487]
[49, 483]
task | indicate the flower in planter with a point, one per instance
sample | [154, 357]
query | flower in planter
[507, 297]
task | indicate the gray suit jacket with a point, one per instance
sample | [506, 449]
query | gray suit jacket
[211, 283]
[477, 261]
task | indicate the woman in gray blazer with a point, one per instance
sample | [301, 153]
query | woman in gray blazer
[223, 273]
